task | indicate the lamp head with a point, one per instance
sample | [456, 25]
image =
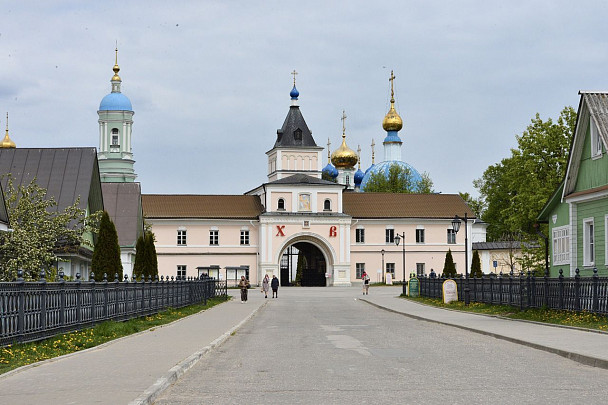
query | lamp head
[397, 239]
[456, 224]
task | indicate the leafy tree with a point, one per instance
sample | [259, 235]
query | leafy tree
[40, 230]
[398, 180]
[449, 267]
[477, 205]
[476, 265]
[106, 256]
[327, 177]
[516, 189]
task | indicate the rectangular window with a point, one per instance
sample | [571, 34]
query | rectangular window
[181, 272]
[390, 236]
[420, 269]
[588, 242]
[360, 235]
[419, 235]
[561, 245]
[390, 268]
[451, 237]
[181, 238]
[244, 237]
[360, 269]
[596, 140]
[115, 140]
[214, 237]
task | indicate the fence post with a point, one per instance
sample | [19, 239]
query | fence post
[521, 290]
[561, 288]
[61, 300]
[596, 301]
[116, 295]
[78, 300]
[511, 287]
[21, 304]
[577, 293]
[546, 289]
[106, 303]
[42, 299]
[500, 289]
[529, 287]
[143, 294]
[93, 296]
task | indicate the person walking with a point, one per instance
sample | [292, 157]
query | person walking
[265, 285]
[365, 278]
[275, 287]
[243, 285]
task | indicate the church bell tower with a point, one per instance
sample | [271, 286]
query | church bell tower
[115, 121]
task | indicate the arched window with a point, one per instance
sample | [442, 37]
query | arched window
[281, 204]
[115, 137]
[327, 205]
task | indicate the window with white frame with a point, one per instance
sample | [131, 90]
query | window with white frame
[390, 236]
[181, 271]
[214, 237]
[360, 268]
[596, 140]
[561, 245]
[244, 237]
[181, 237]
[281, 204]
[327, 205]
[360, 235]
[588, 242]
[390, 268]
[419, 235]
[451, 237]
[420, 269]
[115, 137]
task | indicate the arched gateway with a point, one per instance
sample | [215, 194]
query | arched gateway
[306, 260]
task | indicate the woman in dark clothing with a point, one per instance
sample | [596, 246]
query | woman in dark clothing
[244, 285]
[274, 284]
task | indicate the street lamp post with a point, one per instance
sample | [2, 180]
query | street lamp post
[398, 238]
[383, 280]
[456, 228]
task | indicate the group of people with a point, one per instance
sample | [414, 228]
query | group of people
[266, 285]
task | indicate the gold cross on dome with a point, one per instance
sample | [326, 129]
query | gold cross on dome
[343, 122]
[294, 73]
[392, 80]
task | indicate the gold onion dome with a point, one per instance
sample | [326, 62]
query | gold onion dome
[344, 157]
[392, 121]
[7, 142]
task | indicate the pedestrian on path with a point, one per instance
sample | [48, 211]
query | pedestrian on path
[265, 285]
[365, 278]
[244, 285]
[275, 287]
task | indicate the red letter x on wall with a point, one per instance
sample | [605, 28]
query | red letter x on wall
[280, 230]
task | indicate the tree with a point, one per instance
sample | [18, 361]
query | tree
[326, 176]
[476, 205]
[40, 230]
[449, 267]
[139, 264]
[515, 190]
[398, 180]
[476, 265]
[151, 258]
[106, 256]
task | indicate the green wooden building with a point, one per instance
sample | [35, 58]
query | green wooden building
[577, 212]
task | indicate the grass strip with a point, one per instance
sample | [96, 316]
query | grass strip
[582, 319]
[14, 356]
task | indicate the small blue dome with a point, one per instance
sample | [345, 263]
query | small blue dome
[359, 177]
[331, 171]
[383, 167]
[115, 102]
[294, 93]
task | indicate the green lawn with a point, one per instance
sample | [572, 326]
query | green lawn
[579, 319]
[18, 355]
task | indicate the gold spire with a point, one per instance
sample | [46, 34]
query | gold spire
[344, 157]
[392, 121]
[373, 144]
[7, 142]
[116, 68]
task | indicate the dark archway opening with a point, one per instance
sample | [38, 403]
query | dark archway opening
[303, 264]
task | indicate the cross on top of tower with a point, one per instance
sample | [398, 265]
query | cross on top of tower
[294, 73]
[343, 123]
[392, 80]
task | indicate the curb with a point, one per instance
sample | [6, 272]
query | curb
[579, 358]
[154, 391]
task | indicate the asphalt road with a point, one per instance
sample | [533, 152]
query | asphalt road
[324, 346]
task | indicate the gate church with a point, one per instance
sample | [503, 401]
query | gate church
[329, 229]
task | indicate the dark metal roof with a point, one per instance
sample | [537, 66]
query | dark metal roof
[503, 245]
[65, 173]
[304, 180]
[294, 124]
[122, 201]
[3, 211]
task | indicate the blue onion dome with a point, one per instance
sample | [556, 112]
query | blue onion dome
[115, 102]
[294, 93]
[331, 171]
[383, 167]
[359, 177]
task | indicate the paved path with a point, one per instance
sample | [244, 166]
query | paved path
[137, 368]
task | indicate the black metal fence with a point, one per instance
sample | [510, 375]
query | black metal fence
[37, 310]
[527, 291]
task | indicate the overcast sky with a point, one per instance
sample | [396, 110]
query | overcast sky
[209, 80]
